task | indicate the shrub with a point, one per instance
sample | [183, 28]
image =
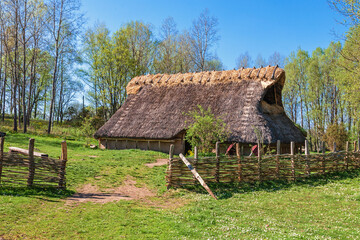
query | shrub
[336, 133]
[204, 129]
[88, 128]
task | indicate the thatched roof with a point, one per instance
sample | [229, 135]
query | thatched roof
[245, 99]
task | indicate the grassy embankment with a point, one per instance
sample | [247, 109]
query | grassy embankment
[318, 208]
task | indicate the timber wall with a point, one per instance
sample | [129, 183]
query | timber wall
[143, 144]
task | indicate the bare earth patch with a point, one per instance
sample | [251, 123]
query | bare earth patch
[159, 162]
[127, 191]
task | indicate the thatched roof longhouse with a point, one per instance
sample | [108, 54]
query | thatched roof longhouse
[246, 99]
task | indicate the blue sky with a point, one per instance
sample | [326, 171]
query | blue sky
[259, 27]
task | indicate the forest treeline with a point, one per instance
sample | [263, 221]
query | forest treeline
[47, 59]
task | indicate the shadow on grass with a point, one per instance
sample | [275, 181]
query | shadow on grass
[227, 190]
[35, 192]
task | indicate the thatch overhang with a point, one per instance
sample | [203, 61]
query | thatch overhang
[248, 100]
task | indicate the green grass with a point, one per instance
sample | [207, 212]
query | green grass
[318, 208]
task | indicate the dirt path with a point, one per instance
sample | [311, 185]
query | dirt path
[159, 162]
[127, 191]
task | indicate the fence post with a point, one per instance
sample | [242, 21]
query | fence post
[292, 152]
[278, 152]
[323, 158]
[358, 144]
[259, 160]
[195, 161]
[217, 150]
[334, 147]
[31, 175]
[239, 153]
[62, 180]
[171, 157]
[307, 153]
[346, 155]
[2, 140]
[336, 158]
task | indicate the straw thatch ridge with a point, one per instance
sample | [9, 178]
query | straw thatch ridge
[248, 100]
[267, 76]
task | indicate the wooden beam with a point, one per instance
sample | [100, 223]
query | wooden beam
[26, 152]
[197, 176]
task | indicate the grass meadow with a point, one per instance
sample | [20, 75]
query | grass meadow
[318, 208]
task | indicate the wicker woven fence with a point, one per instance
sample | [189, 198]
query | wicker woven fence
[19, 169]
[290, 167]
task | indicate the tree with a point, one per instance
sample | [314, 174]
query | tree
[167, 48]
[64, 25]
[214, 64]
[244, 60]
[276, 59]
[260, 61]
[336, 133]
[204, 129]
[203, 36]
[348, 75]
[349, 9]
[113, 60]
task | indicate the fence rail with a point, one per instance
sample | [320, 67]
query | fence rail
[290, 167]
[17, 169]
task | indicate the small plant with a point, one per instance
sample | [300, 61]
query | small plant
[204, 129]
[88, 129]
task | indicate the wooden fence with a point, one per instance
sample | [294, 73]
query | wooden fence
[26, 168]
[239, 168]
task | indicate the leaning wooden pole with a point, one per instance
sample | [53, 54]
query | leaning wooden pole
[196, 175]
[62, 181]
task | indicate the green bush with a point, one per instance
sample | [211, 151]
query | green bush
[204, 129]
[336, 133]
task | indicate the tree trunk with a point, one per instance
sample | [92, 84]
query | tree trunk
[16, 75]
